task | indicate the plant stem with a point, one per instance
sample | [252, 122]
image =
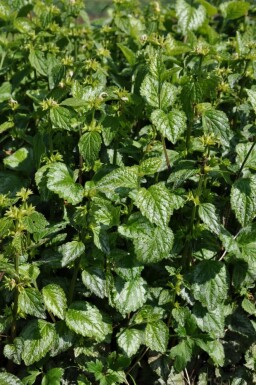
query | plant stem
[137, 361]
[245, 159]
[16, 297]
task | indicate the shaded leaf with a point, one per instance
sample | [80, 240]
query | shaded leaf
[89, 146]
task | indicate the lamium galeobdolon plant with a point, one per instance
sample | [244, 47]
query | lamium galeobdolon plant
[128, 193]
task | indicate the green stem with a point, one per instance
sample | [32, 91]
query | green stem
[73, 281]
[188, 135]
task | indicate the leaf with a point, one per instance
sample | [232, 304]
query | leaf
[182, 354]
[216, 122]
[155, 203]
[62, 117]
[13, 351]
[157, 336]
[20, 160]
[64, 339]
[53, 376]
[152, 244]
[171, 125]
[210, 283]
[94, 280]
[210, 321]
[35, 222]
[208, 215]
[89, 146]
[24, 25]
[38, 62]
[30, 302]
[31, 378]
[128, 53]
[104, 212]
[216, 352]
[131, 296]
[252, 98]
[87, 320]
[129, 340]
[5, 89]
[38, 337]
[150, 166]
[70, 251]
[243, 200]
[159, 95]
[60, 181]
[242, 149]
[189, 18]
[123, 177]
[234, 9]
[55, 299]
[9, 379]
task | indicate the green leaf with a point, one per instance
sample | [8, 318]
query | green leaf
[55, 299]
[35, 222]
[8, 378]
[210, 283]
[210, 9]
[20, 160]
[5, 89]
[103, 212]
[155, 203]
[208, 215]
[234, 9]
[189, 18]
[89, 146]
[5, 126]
[242, 149]
[159, 95]
[123, 177]
[71, 251]
[152, 244]
[31, 378]
[128, 53]
[131, 296]
[252, 98]
[87, 320]
[249, 306]
[53, 377]
[38, 338]
[157, 336]
[171, 125]
[64, 339]
[150, 166]
[182, 354]
[60, 181]
[62, 117]
[94, 280]
[129, 340]
[13, 351]
[30, 302]
[243, 200]
[216, 122]
[216, 352]
[210, 321]
[24, 25]
[38, 62]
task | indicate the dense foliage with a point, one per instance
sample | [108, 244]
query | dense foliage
[128, 193]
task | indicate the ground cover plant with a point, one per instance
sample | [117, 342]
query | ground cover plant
[128, 193]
